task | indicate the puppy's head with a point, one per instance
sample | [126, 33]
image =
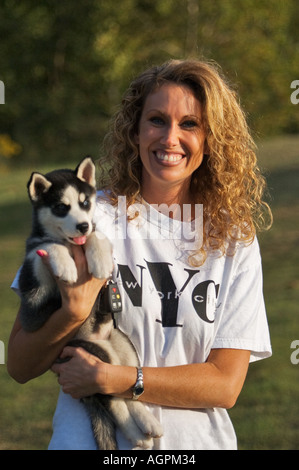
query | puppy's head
[64, 202]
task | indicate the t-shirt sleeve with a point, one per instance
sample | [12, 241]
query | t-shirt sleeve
[243, 323]
[15, 283]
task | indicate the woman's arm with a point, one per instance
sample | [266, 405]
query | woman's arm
[215, 383]
[30, 354]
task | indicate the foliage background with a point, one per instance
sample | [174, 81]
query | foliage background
[65, 66]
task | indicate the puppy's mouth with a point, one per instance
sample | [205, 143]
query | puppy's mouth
[78, 240]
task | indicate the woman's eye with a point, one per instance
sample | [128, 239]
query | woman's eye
[190, 124]
[158, 121]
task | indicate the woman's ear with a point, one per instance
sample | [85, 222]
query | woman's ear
[136, 139]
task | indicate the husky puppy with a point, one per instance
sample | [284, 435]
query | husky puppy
[63, 206]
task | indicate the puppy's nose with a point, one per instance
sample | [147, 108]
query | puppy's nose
[83, 228]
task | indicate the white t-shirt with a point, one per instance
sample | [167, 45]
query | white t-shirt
[174, 314]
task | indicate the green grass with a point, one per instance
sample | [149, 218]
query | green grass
[267, 413]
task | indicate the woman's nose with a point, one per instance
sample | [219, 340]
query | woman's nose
[170, 136]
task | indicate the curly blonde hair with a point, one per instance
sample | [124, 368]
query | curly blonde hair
[228, 182]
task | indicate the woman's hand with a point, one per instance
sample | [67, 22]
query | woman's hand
[82, 374]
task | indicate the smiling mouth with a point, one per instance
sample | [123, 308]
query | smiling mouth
[168, 157]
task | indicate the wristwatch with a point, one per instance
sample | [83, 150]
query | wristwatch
[138, 388]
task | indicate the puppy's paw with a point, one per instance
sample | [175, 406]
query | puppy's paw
[138, 439]
[62, 264]
[151, 427]
[99, 256]
[142, 444]
[145, 420]
[67, 273]
[102, 269]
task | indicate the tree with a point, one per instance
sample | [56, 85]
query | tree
[65, 65]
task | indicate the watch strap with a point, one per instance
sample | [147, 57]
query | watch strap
[138, 388]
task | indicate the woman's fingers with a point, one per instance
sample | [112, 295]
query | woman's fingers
[78, 254]
[77, 371]
[42, 254]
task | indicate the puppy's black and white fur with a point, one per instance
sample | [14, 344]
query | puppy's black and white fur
[63, 206]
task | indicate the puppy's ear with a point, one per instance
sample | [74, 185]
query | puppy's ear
[37, 185]
[86, 171]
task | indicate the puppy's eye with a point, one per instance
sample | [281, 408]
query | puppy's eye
[60, 210]
[85, 204]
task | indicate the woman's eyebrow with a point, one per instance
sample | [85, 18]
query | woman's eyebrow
[192, 116]
[163, 113]
[154, 110]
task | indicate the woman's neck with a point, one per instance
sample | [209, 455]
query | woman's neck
[168, 198]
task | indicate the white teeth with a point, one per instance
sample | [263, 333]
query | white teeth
[168, 157]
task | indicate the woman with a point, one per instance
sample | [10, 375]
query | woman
[193, 304]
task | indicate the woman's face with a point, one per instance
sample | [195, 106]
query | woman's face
[171, 138]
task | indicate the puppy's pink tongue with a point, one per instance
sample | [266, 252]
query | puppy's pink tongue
[79, 240]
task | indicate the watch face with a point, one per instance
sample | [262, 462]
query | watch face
[138, 390]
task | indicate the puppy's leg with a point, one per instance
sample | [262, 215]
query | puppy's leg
[117, 407]
[124, 421]
[98, 253]
[34, 266]
[126, 355]
[39, 294]
[102, 423]
[61, 262]
[145, 420]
